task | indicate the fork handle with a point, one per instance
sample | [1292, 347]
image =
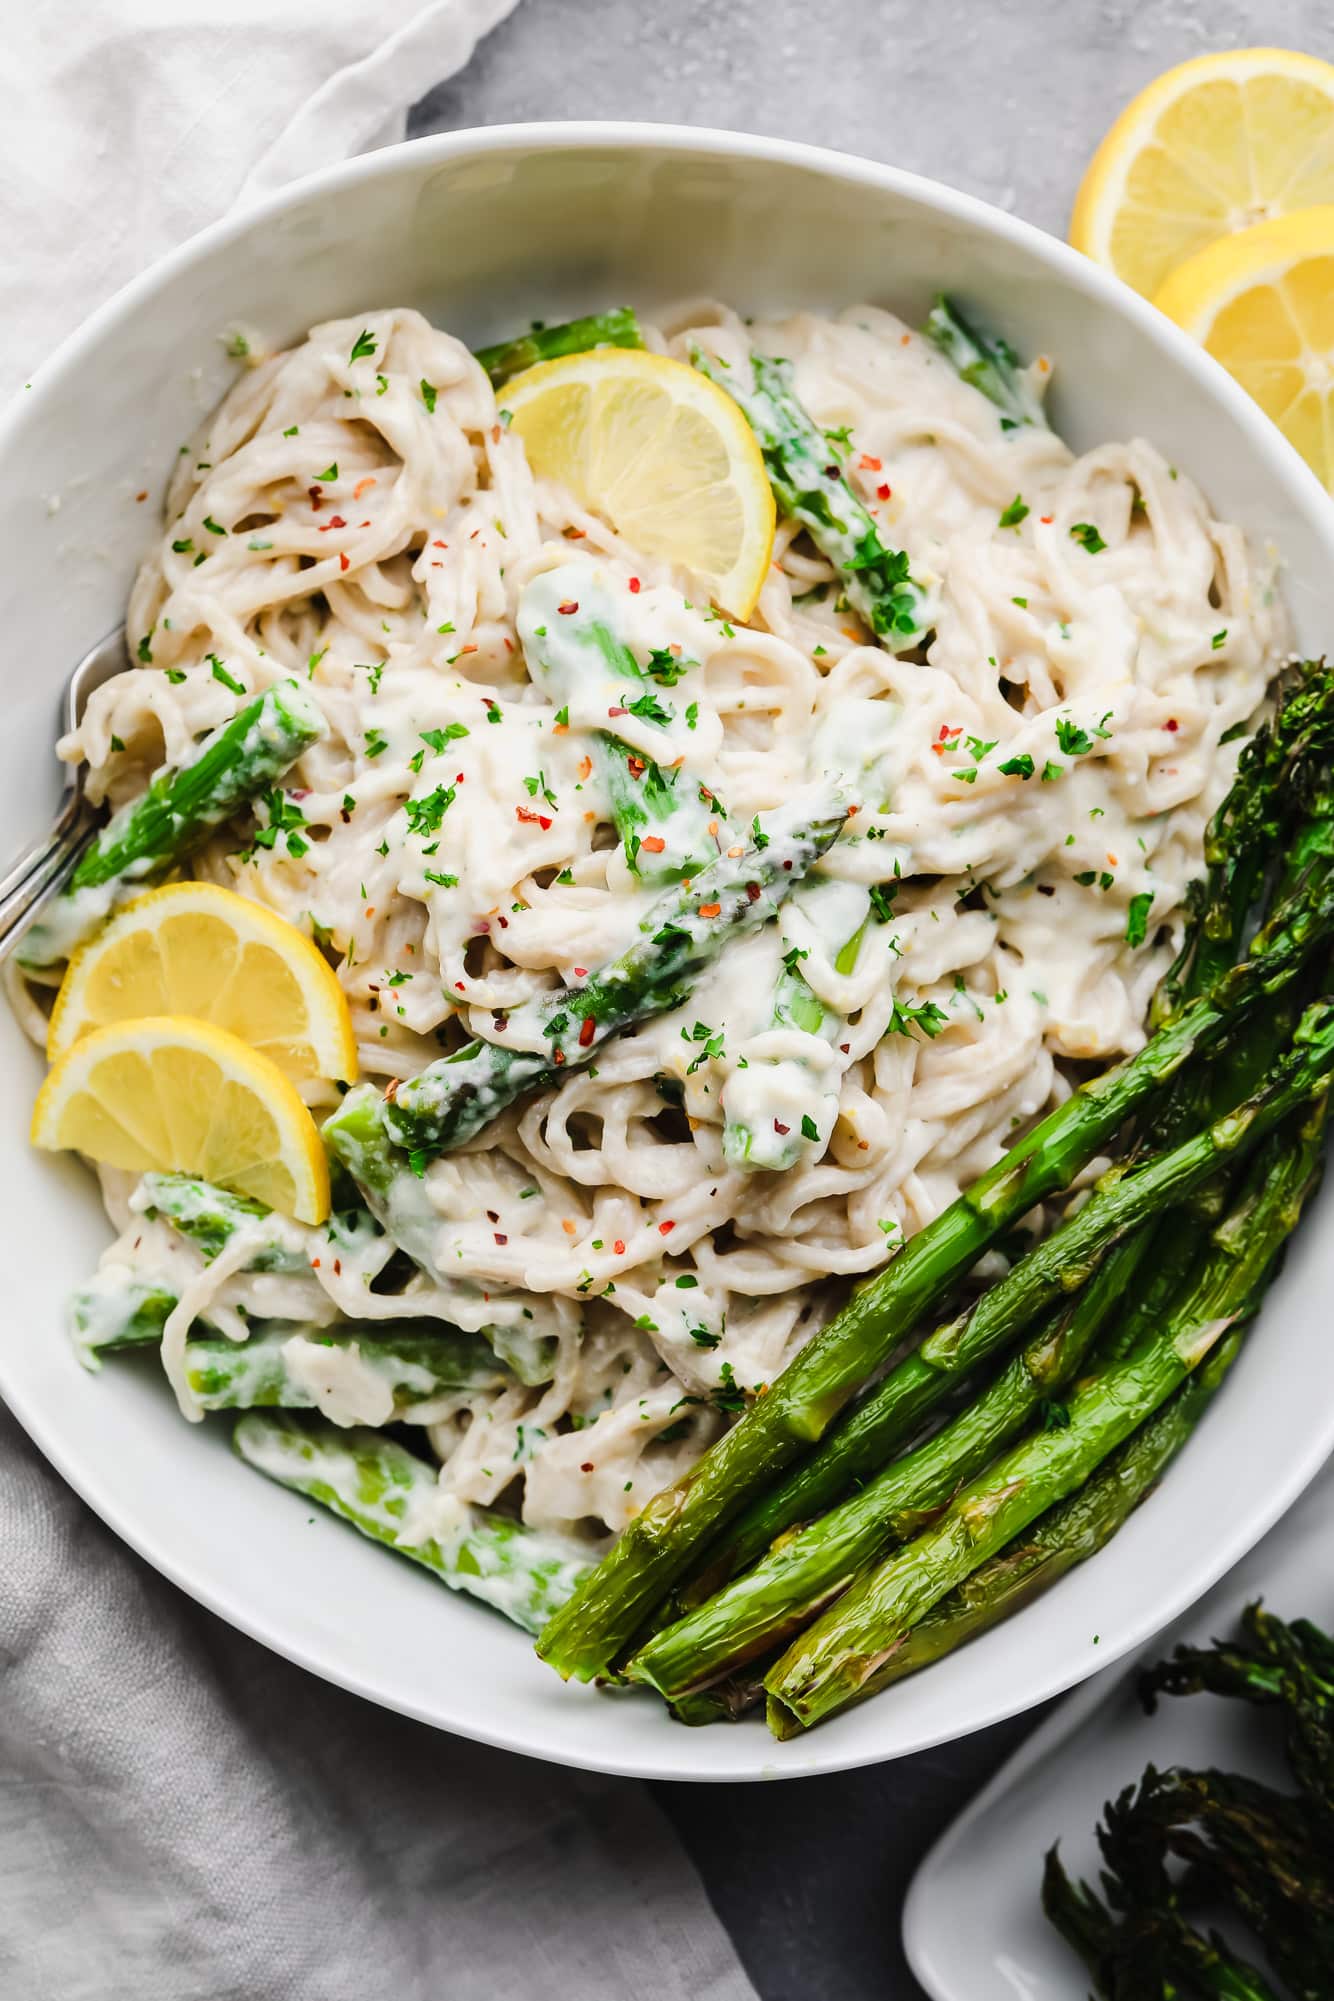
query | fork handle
[23, 894]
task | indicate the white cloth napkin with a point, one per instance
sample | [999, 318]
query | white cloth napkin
[184, 1817]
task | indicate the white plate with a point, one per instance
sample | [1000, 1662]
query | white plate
[482, 230]
[988, 1863]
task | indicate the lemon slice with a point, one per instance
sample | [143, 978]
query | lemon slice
[1214, 146]
[1262, 302]
[180, 1096]
[661, 453]
[194, 949]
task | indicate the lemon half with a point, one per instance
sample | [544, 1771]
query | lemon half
[179, 1096]
[192, 948]
[1213, 146]
[1262, 303]
[661, 453]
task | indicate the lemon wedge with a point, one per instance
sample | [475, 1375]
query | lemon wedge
[192, 948]
[661, 453]
[1215, 145]
[1262, 303]
[180, 1096]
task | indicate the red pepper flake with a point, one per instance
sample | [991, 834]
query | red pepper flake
[495, 434]
[710, 909]
[438, 544]
[832, 472]
[364, 486]
[500, 1022]
[316, 495]
[587, 1466]
[1171, 724]
[610, 712]
[570, 605]
[581, 972]
[459, 984]
[753, 891]
[618, 1248]
[500, 1236]
[575, 534]
[781, 1130]
[314, 1264]
[344, 560]
[558, 1057]
[654, 843]
[1046, 519]
[634, 584]
[636, 768]
[665, 1229]
[587, 1030]
[883, 491]
[868, 464]
[585, 766]
[144, 496]
[526, 813]
[334, 521]
[846, 1048]
[338, 1267]
[467, 649]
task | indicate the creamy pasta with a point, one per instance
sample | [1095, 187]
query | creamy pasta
[1030, 798]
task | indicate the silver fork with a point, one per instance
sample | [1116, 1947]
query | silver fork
[44, 868]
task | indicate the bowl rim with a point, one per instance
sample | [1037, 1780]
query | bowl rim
[814, 1753]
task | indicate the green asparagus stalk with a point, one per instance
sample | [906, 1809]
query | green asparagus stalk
[1069, 1533]
[988, 362]
[211, 1217]
[154, 833]
[399, 1363]
[754, 1137]
[116, 1310]
[809, 486]
[616, 1599]
[568, 625]
[391, 1496]
[841, 1657]
[1152, 1951]
[616, 328]
[805, 1570]
[683, 932]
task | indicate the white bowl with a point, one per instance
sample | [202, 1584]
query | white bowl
[483, 230]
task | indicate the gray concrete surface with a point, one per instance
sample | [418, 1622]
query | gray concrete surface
[1008, 102]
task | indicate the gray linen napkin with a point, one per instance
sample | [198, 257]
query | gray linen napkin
[186, 1817]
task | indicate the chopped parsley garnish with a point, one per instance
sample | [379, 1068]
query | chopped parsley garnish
[363, 346]
[425, 815]
[375, 743]
[443, 881]
[927, 1016]
[1086, 534]
[665, 668]
[429, 392]
[882, 901]
[1017, 767]
[1016, 512]
[1137, 917]
[284, 820]
[1051, 772]
[220, 673]
[1219, 639]
[1074, 741]
[649, 709]
[213, 527]
[692, 715]
[330, 472]
[184, 547]
[809, 1129]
